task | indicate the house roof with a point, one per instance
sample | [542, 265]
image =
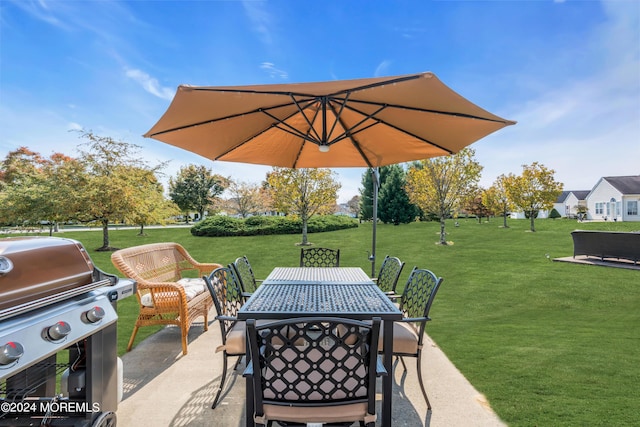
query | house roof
[580, 195]
[625, 184]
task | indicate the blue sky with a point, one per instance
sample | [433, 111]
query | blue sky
[567, 71]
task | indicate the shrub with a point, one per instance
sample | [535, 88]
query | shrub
[554, 214]
[218, 225]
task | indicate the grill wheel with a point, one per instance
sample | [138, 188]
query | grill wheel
[105, 419]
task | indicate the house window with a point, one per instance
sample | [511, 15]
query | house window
[599, 208]
[632, 207]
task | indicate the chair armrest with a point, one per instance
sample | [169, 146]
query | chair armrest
[246, 294]
[415, 319]
[392, 295]
[224, 317]
[206, 268]
[380, 369]
[248, 371]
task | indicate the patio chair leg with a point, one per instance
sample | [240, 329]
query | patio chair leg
[402, 360]
[237, 363]
[224, 376]
[424, 392]
[133, 337]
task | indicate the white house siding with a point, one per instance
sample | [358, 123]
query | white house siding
[572, 202]
[609, 198]
[625, 213]
[567, 208]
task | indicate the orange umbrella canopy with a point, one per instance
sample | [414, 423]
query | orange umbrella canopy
[349, 123]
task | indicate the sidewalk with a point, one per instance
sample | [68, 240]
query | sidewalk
[164, 388]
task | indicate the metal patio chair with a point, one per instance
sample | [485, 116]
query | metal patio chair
[314, 370]
[227, 299]
[319, 257]
[245, 275]
[415, 304]
[387, 279]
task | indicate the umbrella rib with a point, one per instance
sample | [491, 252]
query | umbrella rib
[426, 110]
[301, 111]
[289, 129]
[263, 110]
[351, 130]
[348, 134]
[378, 121]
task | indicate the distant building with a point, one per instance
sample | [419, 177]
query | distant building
[615, 198]
[569, 201]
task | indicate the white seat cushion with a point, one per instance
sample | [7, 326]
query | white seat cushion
[192, 288]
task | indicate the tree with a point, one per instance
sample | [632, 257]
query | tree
[440, 184]
[497, 199]
[393, 201]
[112, 183]
[476, 206]
[366, 196]
[303, 192]
[37, 190]
[151, 207]
[195, 189]
[246, 199]
[354, 205]
[534, 190]
[64, 180]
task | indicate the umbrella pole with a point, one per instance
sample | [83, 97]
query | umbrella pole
[376, 184]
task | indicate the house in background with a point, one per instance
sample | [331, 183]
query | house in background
[615, 198]
[568, 202]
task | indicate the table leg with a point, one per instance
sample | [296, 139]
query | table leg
[387, 380]
[249, 398]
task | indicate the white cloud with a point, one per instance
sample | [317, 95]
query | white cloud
[382, 68]
[260, 19]
[271, 69]
[150, 84]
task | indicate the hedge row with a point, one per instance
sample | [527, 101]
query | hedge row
[218, 225]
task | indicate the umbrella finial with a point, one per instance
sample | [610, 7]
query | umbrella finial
[323, 148]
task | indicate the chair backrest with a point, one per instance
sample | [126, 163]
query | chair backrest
[314, 362]
[418, 295]
[244, 273]
[389, 273]
[227, 295]
[154, 262]
[319, 257]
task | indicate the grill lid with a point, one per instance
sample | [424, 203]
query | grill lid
[34, 268]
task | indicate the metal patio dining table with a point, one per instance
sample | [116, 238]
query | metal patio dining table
[334, 291]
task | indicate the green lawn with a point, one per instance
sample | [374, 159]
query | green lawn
[548, 343]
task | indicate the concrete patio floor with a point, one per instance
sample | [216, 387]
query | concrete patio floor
[164, 388]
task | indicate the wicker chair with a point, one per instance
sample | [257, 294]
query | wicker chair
[387, 279]
[227, 298]
[327, 374]
[415, 303]
[157, 268]
[319, 257]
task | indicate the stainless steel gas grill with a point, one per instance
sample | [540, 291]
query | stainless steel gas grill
[58, 338]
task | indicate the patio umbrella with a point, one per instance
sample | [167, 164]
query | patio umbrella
[348, 123]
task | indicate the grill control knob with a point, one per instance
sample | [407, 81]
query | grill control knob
[94, 315]
[10, 352]
[57, 332]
